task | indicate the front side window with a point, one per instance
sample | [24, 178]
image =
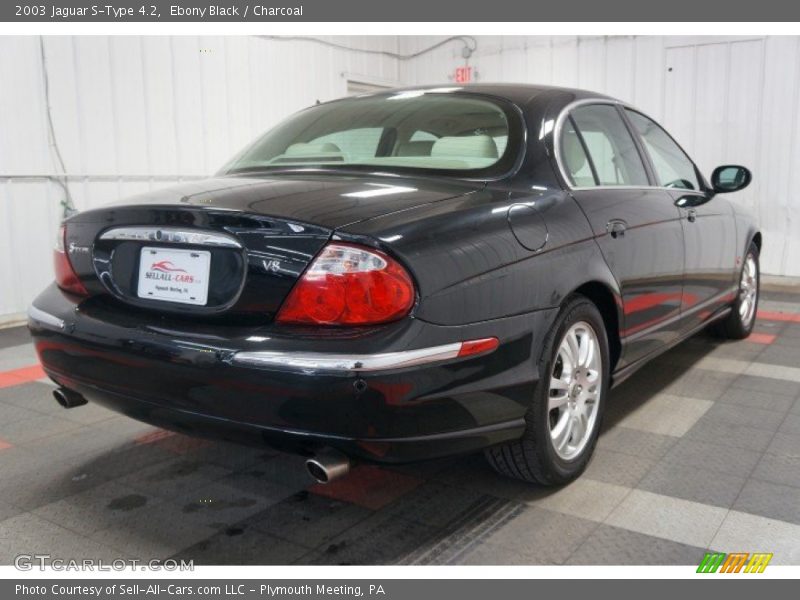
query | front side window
[611, 149]
[455, 133]
[673, 168]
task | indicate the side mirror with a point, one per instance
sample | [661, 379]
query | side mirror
[730, 178]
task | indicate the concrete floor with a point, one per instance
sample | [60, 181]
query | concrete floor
[700, 450]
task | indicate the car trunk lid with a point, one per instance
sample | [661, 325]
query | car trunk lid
[225, 247]
[191, 261]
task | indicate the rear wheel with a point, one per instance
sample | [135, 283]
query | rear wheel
[739, 323]
[563, 421]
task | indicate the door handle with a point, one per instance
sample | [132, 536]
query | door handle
[692, 215]
[616, 227]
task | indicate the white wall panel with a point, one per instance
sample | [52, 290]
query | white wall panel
[23, 148]
[778, 161]
[65, 97]
[96, 111]
[620, 67]
[592, 63]
[565, 61]
[190, 118]
[514, 69]
[648, 76]
[135, 113]
[539, 54]
[710, 105]
[128, 104]
[742, 136]
[680, 94]
[726, 100]
[159, 105]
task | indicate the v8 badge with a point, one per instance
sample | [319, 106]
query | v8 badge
[273, 265]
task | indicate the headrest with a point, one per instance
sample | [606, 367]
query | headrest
[465, 146]
[312, 149]
[572, 151]
[414, 149]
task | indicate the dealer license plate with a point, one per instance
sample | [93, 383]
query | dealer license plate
[174, 275]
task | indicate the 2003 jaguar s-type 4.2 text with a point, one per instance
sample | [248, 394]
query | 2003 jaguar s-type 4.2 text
[405, 275]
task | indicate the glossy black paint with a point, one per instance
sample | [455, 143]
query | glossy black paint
[644, 249]
[710, 240]
[176, 373]
[489, 258]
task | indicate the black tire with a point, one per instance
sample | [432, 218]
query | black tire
[734, 327]
[533, 458]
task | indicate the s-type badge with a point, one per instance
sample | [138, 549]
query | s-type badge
[75, 249]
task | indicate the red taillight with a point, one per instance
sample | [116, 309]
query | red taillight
[349, 285]
[66, 278]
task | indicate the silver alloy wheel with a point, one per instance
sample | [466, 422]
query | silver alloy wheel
[575, 385]
[748, 290]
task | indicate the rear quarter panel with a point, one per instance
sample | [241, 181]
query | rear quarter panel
[470, 266]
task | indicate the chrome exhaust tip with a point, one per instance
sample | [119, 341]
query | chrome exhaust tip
[327, 465]
[68, 398]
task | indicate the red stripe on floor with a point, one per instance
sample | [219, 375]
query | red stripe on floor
[182, 444]
[20, 376]
[4, 445]
[761, 338]
[779, 316]
[368, 486]
[153, 436]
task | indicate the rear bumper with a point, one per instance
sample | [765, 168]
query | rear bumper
[196, 378]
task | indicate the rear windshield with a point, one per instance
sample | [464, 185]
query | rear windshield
[406, 131]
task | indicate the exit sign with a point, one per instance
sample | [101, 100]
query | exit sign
[463, 74]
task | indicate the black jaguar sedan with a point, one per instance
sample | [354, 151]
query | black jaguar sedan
[405, 275]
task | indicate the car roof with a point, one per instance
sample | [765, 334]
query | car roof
[518, 93]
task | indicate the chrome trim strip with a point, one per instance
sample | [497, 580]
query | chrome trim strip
[347, 363]
[171, 235]
[637, 187]
[454, 434]
[45, 318]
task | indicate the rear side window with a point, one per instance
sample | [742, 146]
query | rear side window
[574, 157]
[611, 148]
[673, 168]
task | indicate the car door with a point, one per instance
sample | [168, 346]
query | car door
[709, 231]
[637, 226]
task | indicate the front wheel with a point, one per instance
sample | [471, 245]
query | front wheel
[739, 323]
[563, 421]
